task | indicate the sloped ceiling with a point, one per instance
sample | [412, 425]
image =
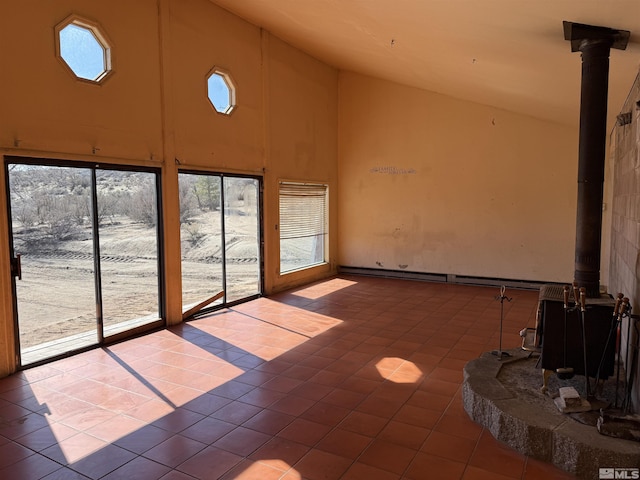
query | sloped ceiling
[510, 54]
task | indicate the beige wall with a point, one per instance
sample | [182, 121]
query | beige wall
[152, 110]
[432, 184]
[45, 109]
[301, 143]
[201, 37]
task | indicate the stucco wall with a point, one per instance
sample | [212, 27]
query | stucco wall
[625, 225]
[153, 111]
[301, 142]
[432, 184]
[44, 108]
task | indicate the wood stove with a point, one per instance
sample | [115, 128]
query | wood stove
[583, 337]
[564, 348]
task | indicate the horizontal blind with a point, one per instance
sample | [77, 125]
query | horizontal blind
[302, 210]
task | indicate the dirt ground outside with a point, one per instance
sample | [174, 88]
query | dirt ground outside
[57, 296]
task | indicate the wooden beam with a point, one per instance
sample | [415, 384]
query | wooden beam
[193, 310]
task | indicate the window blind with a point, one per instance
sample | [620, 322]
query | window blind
[303, 210]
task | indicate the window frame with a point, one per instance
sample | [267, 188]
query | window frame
[296, 189]
[98, 33]
[104, 338]
[231, 87]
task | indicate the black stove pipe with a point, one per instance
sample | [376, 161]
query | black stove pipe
[594, 43]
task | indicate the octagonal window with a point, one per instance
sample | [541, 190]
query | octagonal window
[84, 49]
[221, 91]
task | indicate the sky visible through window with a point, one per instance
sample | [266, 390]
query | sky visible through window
[82, 51]
[85, 55]
[218, 92]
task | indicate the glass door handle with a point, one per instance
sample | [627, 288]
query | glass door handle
[16, 266]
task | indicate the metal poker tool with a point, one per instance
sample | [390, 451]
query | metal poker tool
[502, 297]
[583, 314]
[565, 372]
[618, 311]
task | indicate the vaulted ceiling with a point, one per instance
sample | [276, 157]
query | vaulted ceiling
[510, 54]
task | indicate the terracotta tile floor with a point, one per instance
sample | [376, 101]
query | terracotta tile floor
[349, 378]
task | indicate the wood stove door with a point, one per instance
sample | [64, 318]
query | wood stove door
[600, 340]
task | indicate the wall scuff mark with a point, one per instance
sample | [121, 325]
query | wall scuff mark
[393, 171]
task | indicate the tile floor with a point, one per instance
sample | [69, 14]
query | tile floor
[350, 378]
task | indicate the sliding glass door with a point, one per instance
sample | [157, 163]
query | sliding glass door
[242, 237]
[220, 239]
[128, 227]
[84, 249]
[52, 241]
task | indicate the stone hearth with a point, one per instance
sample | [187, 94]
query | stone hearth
[504, 396]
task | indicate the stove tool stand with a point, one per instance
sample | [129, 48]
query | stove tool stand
[580, 337]
[502, 297]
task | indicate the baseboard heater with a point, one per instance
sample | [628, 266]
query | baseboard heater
[443, 278]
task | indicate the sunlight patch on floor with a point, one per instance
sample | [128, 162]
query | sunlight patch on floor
[399, 370]
[326, 288]
[296, 320]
